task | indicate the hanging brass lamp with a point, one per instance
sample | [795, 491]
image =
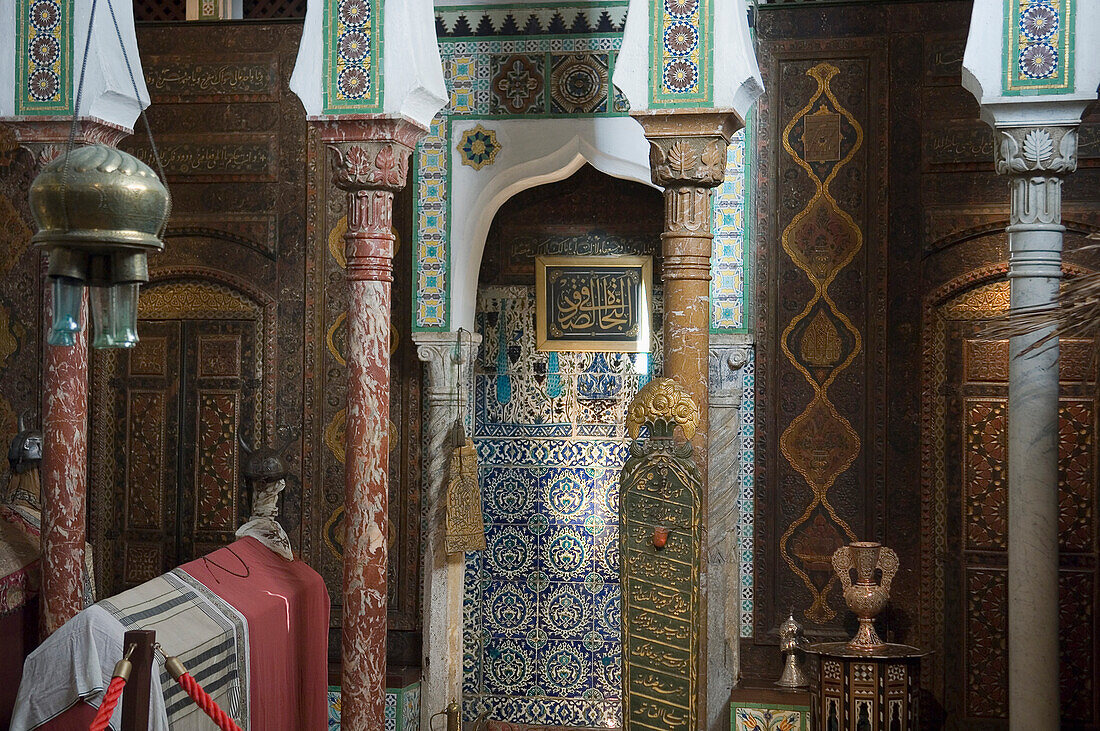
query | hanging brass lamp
[100, 211]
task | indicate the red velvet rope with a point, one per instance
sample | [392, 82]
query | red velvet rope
[206, 703]
[107, 707]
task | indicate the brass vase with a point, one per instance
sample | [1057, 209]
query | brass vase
[866, 597]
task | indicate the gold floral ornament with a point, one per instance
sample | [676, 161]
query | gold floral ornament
[663, 404]
[478, 147]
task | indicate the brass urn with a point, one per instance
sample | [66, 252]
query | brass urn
[866, 597]
[100, 212]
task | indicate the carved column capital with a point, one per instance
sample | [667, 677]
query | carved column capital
[687, 157]
[1043, 151]
[369, 165]
[688, 148]
[1036, 159]
[449, 360]
[370, 162]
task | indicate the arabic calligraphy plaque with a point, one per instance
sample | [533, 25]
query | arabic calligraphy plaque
[660, 507]
[593, 303]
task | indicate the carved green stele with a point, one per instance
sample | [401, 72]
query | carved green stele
[660, 535]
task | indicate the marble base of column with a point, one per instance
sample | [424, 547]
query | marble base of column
[448, 359]
[370, 162]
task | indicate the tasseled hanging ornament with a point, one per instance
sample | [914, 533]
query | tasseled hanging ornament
[465, 527]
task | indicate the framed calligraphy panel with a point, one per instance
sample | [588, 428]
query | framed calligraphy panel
[594, 303]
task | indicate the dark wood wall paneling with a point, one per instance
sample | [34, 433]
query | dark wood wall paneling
[931, 214]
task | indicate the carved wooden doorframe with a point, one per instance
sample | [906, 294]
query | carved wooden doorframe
[205, 365]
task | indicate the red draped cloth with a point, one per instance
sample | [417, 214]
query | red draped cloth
[287, 609]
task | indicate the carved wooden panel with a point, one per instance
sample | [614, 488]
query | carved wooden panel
[145, 442]
[167, 417]
[821, 342]
[975, 457]
[218, 404]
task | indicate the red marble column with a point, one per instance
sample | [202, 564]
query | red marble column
[65, 411]
[370, 159]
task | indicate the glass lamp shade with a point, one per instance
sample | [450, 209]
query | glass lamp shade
[114, 315]
[68, 297]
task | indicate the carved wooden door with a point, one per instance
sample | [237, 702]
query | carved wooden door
[179, 399]
[218, 369]
[975, 623]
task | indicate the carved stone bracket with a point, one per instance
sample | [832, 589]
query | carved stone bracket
[46, 139]
[726, 362]
[449, 359]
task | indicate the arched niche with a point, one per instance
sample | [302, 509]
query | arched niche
[532, 152]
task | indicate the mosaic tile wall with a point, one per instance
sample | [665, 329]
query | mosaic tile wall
[747, 495]
[542, 603]
[729, 263]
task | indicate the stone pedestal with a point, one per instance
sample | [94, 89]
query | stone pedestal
[370, 159]
[449, 359]
[64, 408]
[687, 157]
[1035, 158]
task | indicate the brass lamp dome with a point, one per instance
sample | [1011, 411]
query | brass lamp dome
[108, 203]
[99, 211]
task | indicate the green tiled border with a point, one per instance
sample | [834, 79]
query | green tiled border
[63, 67]
[659, 96]
[332, 102]
[1013, 82]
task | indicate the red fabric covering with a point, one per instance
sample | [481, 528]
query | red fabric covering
[286, 605]
[287, 609]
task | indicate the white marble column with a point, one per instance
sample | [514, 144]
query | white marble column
[728, 356]
[1035, 159]
[449, 359]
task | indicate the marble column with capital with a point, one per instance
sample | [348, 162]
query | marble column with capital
[370, 160]
[729, 354]
[687, 157]
[1035, 159]
[64, 406]
[448, 364]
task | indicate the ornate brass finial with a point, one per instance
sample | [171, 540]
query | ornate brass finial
[662, 403]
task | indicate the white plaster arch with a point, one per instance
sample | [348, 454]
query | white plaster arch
[532, 152]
